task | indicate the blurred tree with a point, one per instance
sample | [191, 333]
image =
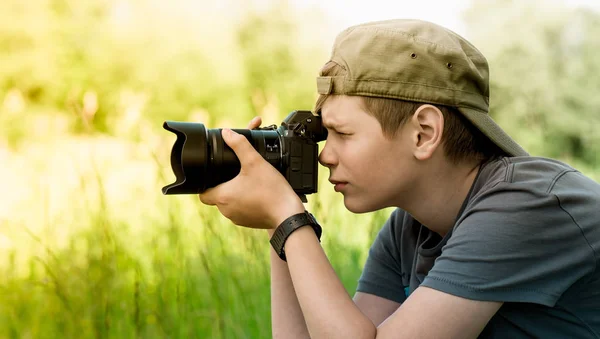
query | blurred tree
[112, 64]
[276, 80]
[26, 61]
[544, 68]
[55, 53]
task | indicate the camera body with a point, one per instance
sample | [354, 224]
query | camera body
[200, 158]
[300, 132]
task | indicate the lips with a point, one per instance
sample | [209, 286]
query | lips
[335, 182]
[338, 185]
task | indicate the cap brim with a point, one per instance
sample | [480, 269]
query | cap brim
[489, 127]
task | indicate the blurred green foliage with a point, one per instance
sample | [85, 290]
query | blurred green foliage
[89, 247]
[544, 61]
[57, 53]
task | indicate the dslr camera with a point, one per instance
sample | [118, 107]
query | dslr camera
[200, 159]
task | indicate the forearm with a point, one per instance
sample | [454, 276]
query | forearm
[328, 310]
[286, 315]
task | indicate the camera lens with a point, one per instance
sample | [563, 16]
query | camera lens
[201, 159]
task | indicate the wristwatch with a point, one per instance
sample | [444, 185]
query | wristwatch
[289, 225]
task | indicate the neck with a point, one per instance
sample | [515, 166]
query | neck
[440, 193]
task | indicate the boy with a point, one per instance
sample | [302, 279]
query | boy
[485, 241]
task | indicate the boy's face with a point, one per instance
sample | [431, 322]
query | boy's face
[374, 172]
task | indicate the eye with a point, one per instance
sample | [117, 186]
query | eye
[336, 132]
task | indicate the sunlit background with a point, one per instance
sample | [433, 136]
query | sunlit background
[90, 248]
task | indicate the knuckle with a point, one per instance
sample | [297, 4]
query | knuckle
[203, 199]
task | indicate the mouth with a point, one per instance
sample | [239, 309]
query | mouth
[338, 186]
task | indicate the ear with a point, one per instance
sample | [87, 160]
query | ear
[428, 126]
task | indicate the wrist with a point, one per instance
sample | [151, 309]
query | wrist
[285, 213]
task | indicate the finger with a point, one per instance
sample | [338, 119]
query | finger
[208, 197]
[254, 123]
[240, 145]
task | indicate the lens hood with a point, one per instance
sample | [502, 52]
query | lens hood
[188, 157]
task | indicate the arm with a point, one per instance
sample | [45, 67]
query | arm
[376, 308]
[330, 313]
[286, 316]
[379, 309]
[328, 309]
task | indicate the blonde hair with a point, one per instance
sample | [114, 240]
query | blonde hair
[462, 141]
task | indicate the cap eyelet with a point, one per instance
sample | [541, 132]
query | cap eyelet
[449, 65]
[413, 55]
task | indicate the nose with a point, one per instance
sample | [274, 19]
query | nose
[327, 157]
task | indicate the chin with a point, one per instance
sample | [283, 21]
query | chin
[359, 206]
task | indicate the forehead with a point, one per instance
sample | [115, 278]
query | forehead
[339, 109]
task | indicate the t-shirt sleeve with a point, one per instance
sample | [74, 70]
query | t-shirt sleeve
[512, 245]
[382, 273]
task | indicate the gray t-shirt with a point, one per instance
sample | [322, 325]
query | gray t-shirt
[528, 234]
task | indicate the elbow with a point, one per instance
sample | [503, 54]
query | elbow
[365, 330]
[358, 330]
[371, 333]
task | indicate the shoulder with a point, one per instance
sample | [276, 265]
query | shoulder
[537, 173]
[516, 191]
[515, 184]
[530, 186]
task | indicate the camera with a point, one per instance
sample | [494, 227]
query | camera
[200, 159]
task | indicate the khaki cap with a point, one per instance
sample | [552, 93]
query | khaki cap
[417, 61]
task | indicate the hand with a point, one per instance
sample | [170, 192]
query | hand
[259, 196]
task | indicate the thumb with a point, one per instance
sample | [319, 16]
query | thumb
[240, 145]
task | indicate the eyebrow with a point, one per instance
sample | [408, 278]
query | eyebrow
[333, 125]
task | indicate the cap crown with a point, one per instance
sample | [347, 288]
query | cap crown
[410, 60]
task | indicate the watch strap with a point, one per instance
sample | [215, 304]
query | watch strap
[289, 225]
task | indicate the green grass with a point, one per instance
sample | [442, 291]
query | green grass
[151, 266]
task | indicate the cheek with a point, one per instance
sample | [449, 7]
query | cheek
[366, 162]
